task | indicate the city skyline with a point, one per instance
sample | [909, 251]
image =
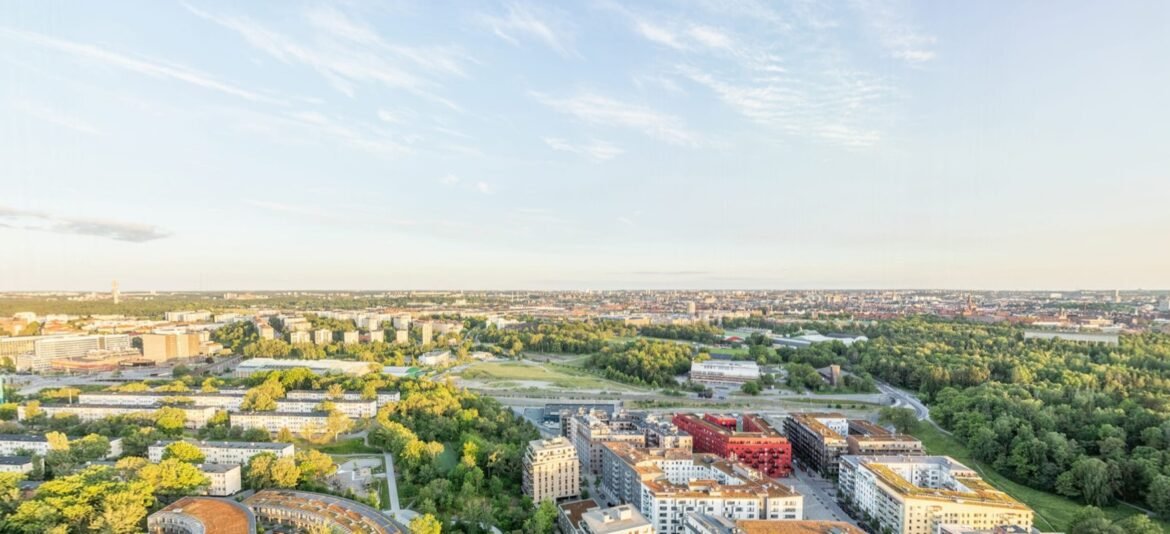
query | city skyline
[603, 145]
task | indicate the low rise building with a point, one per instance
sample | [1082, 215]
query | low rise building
[351, 408]
[23, 445]
[724, 372]
[252, 366]
[383, 397]
[16, 464]
[226, 452]
[202, 515]
[304, 510]
[551, 470]
[435, 358]
[274, 422]
[225, 479]
[196, 417]
[918, 494]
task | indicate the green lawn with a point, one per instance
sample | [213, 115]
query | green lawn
[349, 446]
[1053, 512]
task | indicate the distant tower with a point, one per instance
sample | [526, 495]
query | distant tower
[1116, 296]
[114, 292]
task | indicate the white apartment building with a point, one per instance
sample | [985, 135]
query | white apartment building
[322, 367]
[197, 417]
[273, 422]
[384, 397]
[551, 470]
[667, 484]
[226, 452]
[350, 337]
[435, 358]
[225, 479]
[16, 464]
[724, 372]
[401, 337]
[621, 519]
[918, 494]
[224, 400]
[377, 336]
[299, 337]
[356, 408]
[323, 337]
[402, 321]
[18, 444]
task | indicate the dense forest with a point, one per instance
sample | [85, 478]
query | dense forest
[1088, 421]
[458, 457]
[644, 362]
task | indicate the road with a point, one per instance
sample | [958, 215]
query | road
[820, 497]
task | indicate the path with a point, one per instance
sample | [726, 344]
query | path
[392, 483]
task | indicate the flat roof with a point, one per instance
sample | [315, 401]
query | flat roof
[15, 460]
[353, 515]
[22, 437]
[228, 444]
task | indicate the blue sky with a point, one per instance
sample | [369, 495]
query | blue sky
[706, 144]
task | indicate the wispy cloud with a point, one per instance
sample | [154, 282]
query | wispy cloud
[55, 116]
[312, 127]
[47, 222]
[597, 109]
[149, 67]
[599, 150]
[347, 53]
[524, 21]
[483, 187]
[895, 31]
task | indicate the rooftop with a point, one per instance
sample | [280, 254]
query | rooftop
[231, 444]
[218, 516]
[351, 515]
[15, 460]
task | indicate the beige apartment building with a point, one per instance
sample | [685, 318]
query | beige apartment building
[920, 494]
[551, 470]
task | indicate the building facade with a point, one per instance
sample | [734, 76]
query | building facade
[551, 470]
[757, 445]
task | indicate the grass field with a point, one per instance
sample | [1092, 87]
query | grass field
[1053, 512]
[504, 374]
[349, 446]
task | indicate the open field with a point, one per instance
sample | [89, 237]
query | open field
[349, 446]
[519, 374]
[1053, 512]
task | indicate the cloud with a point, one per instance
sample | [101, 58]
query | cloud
[658, 34]
[597, 109]
[895, 32]
[449, 180]
[55, 116]
[599, 150]
[346, 53]
[148, 67]
[483, 187]
[523, 21]
[46, 222]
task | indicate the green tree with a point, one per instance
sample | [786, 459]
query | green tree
[544, 520]
[314, 466]
[425, 524]
[1158, 495]
[174, 477]
[751, 387]
[183, 452]
[1090, 479]
[904, 420]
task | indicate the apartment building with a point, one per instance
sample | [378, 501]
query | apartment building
[667, 484]
[551, 470]
[589, 429]
[918, 494]
[16, 464]
[756, 444]
[350, 337]
[225, 479]
[226, 452]
[383, 398]
[712, 524]
[299, 337]
[224, 400]
[196, 417]
[322, 337]
[37, 353]
[354, 408]
[19, 444]
[252, 366]
[161, 347]
[274, 422]
[820, 438]
[868, 439]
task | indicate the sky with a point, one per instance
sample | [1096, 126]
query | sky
[716, 144]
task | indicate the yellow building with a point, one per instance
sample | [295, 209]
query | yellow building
[551, 470]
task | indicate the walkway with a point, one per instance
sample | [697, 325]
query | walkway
[392, 483]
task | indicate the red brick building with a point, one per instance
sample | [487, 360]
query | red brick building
[758, 445]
